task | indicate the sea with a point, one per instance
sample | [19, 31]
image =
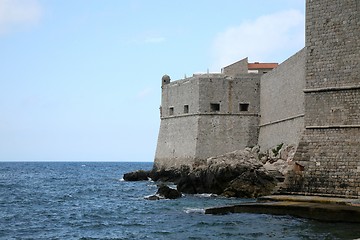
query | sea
[90, 200]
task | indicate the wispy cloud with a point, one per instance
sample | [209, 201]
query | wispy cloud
[18, 12]
[266, 38]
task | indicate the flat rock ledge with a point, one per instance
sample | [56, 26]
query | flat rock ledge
[312, 207]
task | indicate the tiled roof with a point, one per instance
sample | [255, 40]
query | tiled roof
[257, 65]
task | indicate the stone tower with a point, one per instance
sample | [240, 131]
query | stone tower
[207, 115]
[330, 147]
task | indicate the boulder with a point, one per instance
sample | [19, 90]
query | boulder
[250, 185]
[281, 166]
[167, 192]
[139, 175]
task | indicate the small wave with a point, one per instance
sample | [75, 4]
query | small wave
[206, 195]
[121, 180]
[83, 165]
[194, 210]
[153, 197]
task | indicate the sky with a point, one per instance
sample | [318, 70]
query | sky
[80, 80]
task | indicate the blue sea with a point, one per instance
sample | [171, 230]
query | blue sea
[87, 200]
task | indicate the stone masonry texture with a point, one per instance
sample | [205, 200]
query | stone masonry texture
[330, 146]
[192, 129]
[282, 103]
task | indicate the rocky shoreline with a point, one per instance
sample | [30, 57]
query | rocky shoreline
[243, 174]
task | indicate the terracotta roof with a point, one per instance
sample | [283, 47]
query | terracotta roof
[257, 65]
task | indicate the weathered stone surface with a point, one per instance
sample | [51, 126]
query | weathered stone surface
[237, 174]
[330, 145]
[139, 175]
[280, 166]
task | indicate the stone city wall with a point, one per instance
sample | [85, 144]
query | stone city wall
[330, 147]
[282, 103]
[179, 93]
[230, 92]
[177, 142]
[219, 134]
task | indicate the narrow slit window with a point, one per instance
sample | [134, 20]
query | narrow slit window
[214, 107]
[171, 111]
[186, 108]
[244, 107]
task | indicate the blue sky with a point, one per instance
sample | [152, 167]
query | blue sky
[80, 79]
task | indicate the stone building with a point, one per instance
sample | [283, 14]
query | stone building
[311, 100]
[209, 114]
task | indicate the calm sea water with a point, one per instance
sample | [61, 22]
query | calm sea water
[49, 200]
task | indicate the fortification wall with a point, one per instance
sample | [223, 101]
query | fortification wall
[282, 103]
[236, 68]
[330, 147]
[220, 134]
[222, 116]
[178, 94]
[177, 138]
[230, 92]
[177, 142]
[235, 125]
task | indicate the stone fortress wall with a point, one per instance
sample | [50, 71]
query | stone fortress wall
[330, 146]
[282, 103]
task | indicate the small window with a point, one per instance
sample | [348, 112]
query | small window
[244, 107]
[214, 107]
[171, 111]
[186, 108]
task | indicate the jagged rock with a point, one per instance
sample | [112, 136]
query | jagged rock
[250, 185]
[167, 192]
[280, 166]
[255, 150]
[169, 175]
[139, 175]
[238, 174]
[287, 152]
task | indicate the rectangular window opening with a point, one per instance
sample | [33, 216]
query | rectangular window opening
[171, 111]
[214, 107]
[244, 107]
[186, 108]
